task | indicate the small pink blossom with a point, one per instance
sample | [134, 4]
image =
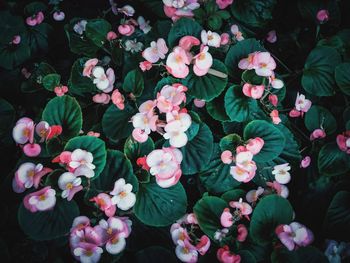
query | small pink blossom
[280, 189]
[237, 33]
[88, 66]
[42, 200]
[60, 90]
[275, 117]
[170, 97]
[36, 19]
[139, 135]
[101, 98]
[177, 63]
[30, 174]
[180, 8]
[226, 218]
[32, 149]
[255, 145]
[118, 99]
[262, 62]
[271, 36]
[156, 51]
[245, 167]
[187, 42]
[226, 157]
[224, 255]
[242, 233]
[104, 203]
[111, 35]
[210, 38]
[273, 99]
[322, 16]
[253, 91]
[317, 134]
[253, 195]
[240, 149]
[343, 141]
[126, 29]
[199, 103]
[16, 39]
[305, 162]
[244, 208]
[302, 105]
[202, 62]
[58, 16]
[225, 39]
[95, 134]
[223, 3]
[145, 65]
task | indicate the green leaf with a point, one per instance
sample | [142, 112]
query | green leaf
[337, 220]
[216, 178]
[253, 13]
[156, 206]
[93, 145]
[274, 140]
[208, 211]
[342, 77]
[155, 254]
[270, 212]
[233, 195]
[35, 81]
[194, 128]
[64, 111]
[7, 116]
[78, 44]
[34, 7]
[197, 152]
[214, 22]
[12, 56]
[79, 84]
[96, 31]
[319, 117]
[332, 161]
[117, 166]
[10, 26]
[49, 224]
[230, 142]
[309, 8]
[239, 107]
[318, 76]
[207, 87]
[290, 151]
[51, 81]
[134, 149]
[38, 38]
[183, 27]
[116, 123]
[216, 110]
[134, 83]
[246, 256]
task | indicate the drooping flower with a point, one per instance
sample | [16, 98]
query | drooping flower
[226, 218]
[35, 19]
[317, 134]
[271, 36]
[89, 66]
[273, 99]
[224, 39]
[69, 184]
[31, 149]
[187, 42]
[294, 235]
[210, 38]
[224, 255]
[29, 174]
[343, 141]
[253, 195]
[322, 16]
[123, 197]
[242, 233]
[253, 91]
[245, 168]
[126, 29]
[244, 208]
[58, 16]
[199, 103]
[278, 188]
[165, 166]
[302, 105]
[105, 204]
[281, 173]
[16, 39]
[42, 200]
[177, 63]
[101, 98]
[111, 35]
[46, 132]
[222, 4]
[23, 131]
[202, 62]
[118, 99]
[275, 117]
[156, 51]
[80, 27]
[305, 162]
[227, 157]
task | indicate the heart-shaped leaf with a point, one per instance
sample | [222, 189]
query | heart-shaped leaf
[319, 117]
[342, 77]
[332, 161]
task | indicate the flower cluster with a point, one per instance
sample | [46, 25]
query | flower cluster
[343, 141]
[188, 245]
[86, 242]
[24, 134]
[175, 9]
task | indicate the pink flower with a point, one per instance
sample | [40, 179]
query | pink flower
[187, 42]
[32, 149]
[87, 252]
[317, 134]
[177, 63]
[123, 197]
[145, 121]
[255, 145]
[273, 99]
[322, 16]
[177, 125]
[249, 62]
[101, 98]
[23, 131]
[60, 90]
[126, 29]
[226, 218]
[276, 83]
[280, 189]
[111, 35]
[305, 162]
[127, 10]
[179, 8]
[211, 39]
[275, 117]
[245, 168]
[238, 34]
[139, 135]
[253, 195]
[88, 66]
[224, 255]
[293, 235]
[271, 36]
[252, 91]
[265, 64]
[81, 163]
[240, 149]
[165, 166]
[302, 104]
[141, 161]
[225, 39]
[16, 39]
[242, 233]
[226, 157]
[58, 16]
[170, 97]
[42, 200]
[35, 19]
[199, 103]
[202, 62]
[223, 3]
[92, 133]
[343, 141]
[244, 208]
[118, 99]
[69, 184]
[145, 65]
[30, 174]
[156, 51]
[104, 203]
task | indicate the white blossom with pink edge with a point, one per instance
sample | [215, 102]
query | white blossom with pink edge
[245, 167]
[294, 235]
[69, 184]
[23, 131]
[211, 39]
[42, 200]
[123, 197]
[29, 174]
[156, 51]
[81, 163]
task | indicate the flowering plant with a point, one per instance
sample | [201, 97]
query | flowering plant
[175, 130]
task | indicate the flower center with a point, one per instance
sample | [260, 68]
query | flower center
[42, 197]
[122, 194]
[31, 173]
[69, 186]
[109, 231]
[88, 253]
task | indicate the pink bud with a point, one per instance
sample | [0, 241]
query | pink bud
[275, 117]
[111, 35]
[242, 233]
[255, 145]
[199, 103]
[145, 65]
[271, 36]
[273, 99]
[32, 150]
[39, 18]
[317, 134]
[31, 21]
[294, 113]
[94, 134]
[226, 157]
[101, 98]
[16, 40]
[322, 16]
[305, 162]
[225, 39]
[139, 135]
[126, 30]
[58, 16]
[226, 218]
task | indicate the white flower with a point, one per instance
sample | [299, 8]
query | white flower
[281, 173]
[81, 161]
[145, 121]
[80, 27]
[143, 24]
[133, 46]
[69, 184]
[100, 78]
[211, 39]
[123, 196]
[178, 124]
[220, 234]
